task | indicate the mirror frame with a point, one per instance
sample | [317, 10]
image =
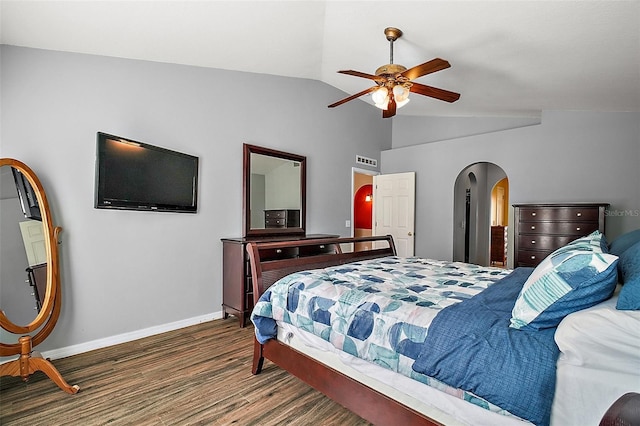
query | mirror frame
[50, 310]
[246, 192]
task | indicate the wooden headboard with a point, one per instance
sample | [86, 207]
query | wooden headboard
[274, 260]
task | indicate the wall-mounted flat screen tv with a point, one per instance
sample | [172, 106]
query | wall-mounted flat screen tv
[132, 175]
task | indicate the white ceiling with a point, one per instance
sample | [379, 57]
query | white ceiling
[509, 58]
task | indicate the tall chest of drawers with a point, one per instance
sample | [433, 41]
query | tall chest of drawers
[499, 244]
[541, 228]
[237, 287]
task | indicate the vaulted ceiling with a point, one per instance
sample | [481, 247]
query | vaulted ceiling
[508, 58]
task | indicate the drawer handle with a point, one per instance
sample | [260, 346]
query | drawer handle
[578, 228]
[533, 227]
[533, 257]
[278, 250]
[533, 241]
[579, 214]
[533, 214]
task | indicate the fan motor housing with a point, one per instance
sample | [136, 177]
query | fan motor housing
[390, 69]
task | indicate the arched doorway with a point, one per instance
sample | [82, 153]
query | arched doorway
[475, 211]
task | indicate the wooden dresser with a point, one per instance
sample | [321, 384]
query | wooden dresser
[237, 288]
[282, 218]
[541, 228]
[499, 244]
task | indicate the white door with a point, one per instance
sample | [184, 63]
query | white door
[33, 238]
[394, 209]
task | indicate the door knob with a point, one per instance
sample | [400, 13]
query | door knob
[410, 234]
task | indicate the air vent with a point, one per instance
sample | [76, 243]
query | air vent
[366, 161]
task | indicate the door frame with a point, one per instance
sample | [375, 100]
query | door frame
[357, 170]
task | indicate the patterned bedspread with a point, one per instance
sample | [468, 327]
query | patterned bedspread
[379, 310]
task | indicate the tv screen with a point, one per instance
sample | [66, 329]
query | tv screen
[133, 175]
[27, 196]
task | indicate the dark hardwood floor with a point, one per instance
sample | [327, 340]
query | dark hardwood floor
[199, 375]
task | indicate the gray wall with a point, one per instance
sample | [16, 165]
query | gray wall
[124, 271]
[409, 130]
[571, 156]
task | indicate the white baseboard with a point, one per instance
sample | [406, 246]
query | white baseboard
[128, 337]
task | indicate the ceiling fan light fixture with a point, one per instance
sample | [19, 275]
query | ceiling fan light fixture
[394, 82]
[400, 93]
[380, 97]
[383, 105]
[400, 104]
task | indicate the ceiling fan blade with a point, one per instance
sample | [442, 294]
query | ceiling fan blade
[434, 92]
[433, 65]
[362, 74]
[391, 109]
[352, 97]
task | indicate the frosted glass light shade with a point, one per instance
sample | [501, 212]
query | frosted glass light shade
[403, 103]
[400, 93]
[380, 96]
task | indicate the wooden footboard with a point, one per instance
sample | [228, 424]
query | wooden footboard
[267, 268]
[274, 260]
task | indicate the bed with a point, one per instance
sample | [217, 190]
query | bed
[376, 349]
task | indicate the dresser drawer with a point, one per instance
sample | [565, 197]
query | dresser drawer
[543, 242]
[574, 229]
[248, 284]
[536, 214]
[316, 249]
[531, 257]
[248, 302]
[275, 222]
[280, 253]
[275, 214]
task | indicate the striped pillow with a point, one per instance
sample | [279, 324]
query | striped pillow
[568, 280]
[595, 241]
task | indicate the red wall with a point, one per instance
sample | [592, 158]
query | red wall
[362, 208]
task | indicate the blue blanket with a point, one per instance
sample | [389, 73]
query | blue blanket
[471, 347]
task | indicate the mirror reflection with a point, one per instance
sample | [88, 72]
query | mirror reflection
[276, 200]
[23, 255]
[274, 192]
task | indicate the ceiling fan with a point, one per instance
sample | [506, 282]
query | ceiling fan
[394, 82]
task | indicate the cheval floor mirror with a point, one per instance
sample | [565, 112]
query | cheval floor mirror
[24, 203]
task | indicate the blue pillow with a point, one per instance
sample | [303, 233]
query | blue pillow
[624, 242]
[629, 297]
[568, 280]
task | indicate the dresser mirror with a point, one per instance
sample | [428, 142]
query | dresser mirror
[274, 192]
[30, 293]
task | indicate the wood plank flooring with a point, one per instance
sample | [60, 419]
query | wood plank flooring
[199, 375]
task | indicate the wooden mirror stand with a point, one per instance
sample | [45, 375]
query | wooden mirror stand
[30, 361]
